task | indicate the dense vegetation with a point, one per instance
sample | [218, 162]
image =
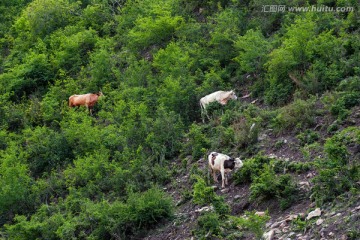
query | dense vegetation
[65, 174]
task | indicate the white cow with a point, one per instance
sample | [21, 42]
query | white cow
[224, 164]
[221, 97]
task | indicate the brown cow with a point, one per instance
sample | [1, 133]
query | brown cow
[88, 100]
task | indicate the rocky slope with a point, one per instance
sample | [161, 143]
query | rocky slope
[303, 220]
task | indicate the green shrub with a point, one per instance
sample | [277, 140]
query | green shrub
[47, 150]
[281, 166]
[197, 142]
[298, 115]
[209, 223]
[267, 185]
[224, 137]
[339, 170]
[342, 105]
[15, 182]
[307, 137]
[202, 194]
[251, 168]
[154, 29]
[252, 223]
[148, 208]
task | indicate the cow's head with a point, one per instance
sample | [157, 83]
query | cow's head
[233, 95]
[238, 163]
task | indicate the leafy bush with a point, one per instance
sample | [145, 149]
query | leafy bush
[253, 49]
[96, 220]
[267, 185]
[299, 115]
[202, 193]
[281, 166]
[15, 182]
[339, 170]
[344, 103]
[307, 137]
[209, 224]
[147, 208]
[252, 223]
[151, 30]
[197, 142]
[46, 149]
[251, 168]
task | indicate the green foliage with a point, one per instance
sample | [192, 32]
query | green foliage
[251, 168]
[71, 49]
[15, 182]
[99, 220]
[339, 170]
[197, 142]
[68, 175]
[46, 150]
[203, 194]
[267, 185]
[209, 223]
[253, 49]
[344, 103]
[156, 28]
[166, 134]
[281, 166]
[252, 222]
[148, 208]
[298, 115]
[307, 137]
[224, 33]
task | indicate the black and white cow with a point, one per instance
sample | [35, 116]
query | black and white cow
[224, 164]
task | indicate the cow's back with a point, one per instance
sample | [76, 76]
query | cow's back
[77, 100]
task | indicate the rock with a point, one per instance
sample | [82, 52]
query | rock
[272, 156]
[315, 213]
[304, 183]
[331, 234]
[291, 234]
[319, 221]
[291, 217]
[310, 175]
[343, 237]
[225, 190]
[282, 225]
[262, 137]
[269, 235]
[261, 214]
[276, 224]
[237, 197]
[204, 209]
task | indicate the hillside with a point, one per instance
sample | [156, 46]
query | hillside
[135, 166]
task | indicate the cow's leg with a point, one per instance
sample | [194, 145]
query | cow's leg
[214, 176]
[223, 178]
